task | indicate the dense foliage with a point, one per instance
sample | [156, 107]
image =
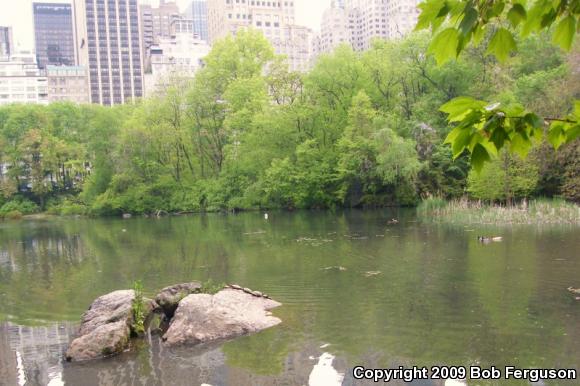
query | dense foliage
[484, 127]
[360, 129]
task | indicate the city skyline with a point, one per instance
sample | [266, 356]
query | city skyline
[20, 17]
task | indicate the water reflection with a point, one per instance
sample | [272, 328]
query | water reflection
[403, 294]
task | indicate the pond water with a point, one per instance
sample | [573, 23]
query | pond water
[356, 289]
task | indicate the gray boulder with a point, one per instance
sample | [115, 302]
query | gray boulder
[106, 326]
[169, 297]
[202, 318]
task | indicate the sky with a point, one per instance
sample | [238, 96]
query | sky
[18, 14]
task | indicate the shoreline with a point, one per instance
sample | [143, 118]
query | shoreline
[533, 212]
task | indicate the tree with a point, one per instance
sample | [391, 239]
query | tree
[504, 179]
[483, 127]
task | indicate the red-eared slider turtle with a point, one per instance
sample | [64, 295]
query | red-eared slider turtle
[248, 291]
[266, 296]
[257, 294]
[236, 287]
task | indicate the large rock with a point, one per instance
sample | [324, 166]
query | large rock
[106, 339]
[169, 297]
[106, 326]
[202, 318]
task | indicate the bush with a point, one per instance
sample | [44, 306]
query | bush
[21, 206]
[14, 215]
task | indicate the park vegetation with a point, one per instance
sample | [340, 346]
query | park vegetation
[360, 129]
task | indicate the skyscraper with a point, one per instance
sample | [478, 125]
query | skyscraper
[6, 45]
[53, 32]
[197, 11]
[108, 43]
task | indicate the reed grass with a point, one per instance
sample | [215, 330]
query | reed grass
[464, 211]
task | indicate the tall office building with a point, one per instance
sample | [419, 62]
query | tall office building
[109, 45]
[197, 11]
[6, 44]
[53, 33]
[274, 18]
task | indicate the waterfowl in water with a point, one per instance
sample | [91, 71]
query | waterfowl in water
[484, 239]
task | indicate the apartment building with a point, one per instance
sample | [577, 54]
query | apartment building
[156, 21]
[108, 43]
[53, 34]
[359, 22]
[21, 81]
[67, 83]
[402, 17]
[179, 56]
[275, 19]
[335, 28]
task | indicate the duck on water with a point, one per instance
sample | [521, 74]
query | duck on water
[484, 239]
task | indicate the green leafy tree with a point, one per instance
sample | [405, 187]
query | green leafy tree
[483, 127]
[504, 179]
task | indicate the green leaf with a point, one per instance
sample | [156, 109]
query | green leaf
[533, 120]
[444, 45]
[469, 20]
[556, 135]
[572, 132]
[478, 157]
[534, 18]
[521, 145]
[501, 44]
[429, 13]
[565, 32]
[489, 147]
[461, 142]
[516, 14]
[498, 137]
[458, 108]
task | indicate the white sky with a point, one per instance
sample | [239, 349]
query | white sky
[18, 14]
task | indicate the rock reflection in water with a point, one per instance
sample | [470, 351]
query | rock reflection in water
[32, 355]
[35, 356]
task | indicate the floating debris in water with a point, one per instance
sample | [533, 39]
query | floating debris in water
[303, 239]
[313, 242]
[255, 233]
[356, 237]
[325, 345]
[336, 267]
[372, 273]
[455, 382]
